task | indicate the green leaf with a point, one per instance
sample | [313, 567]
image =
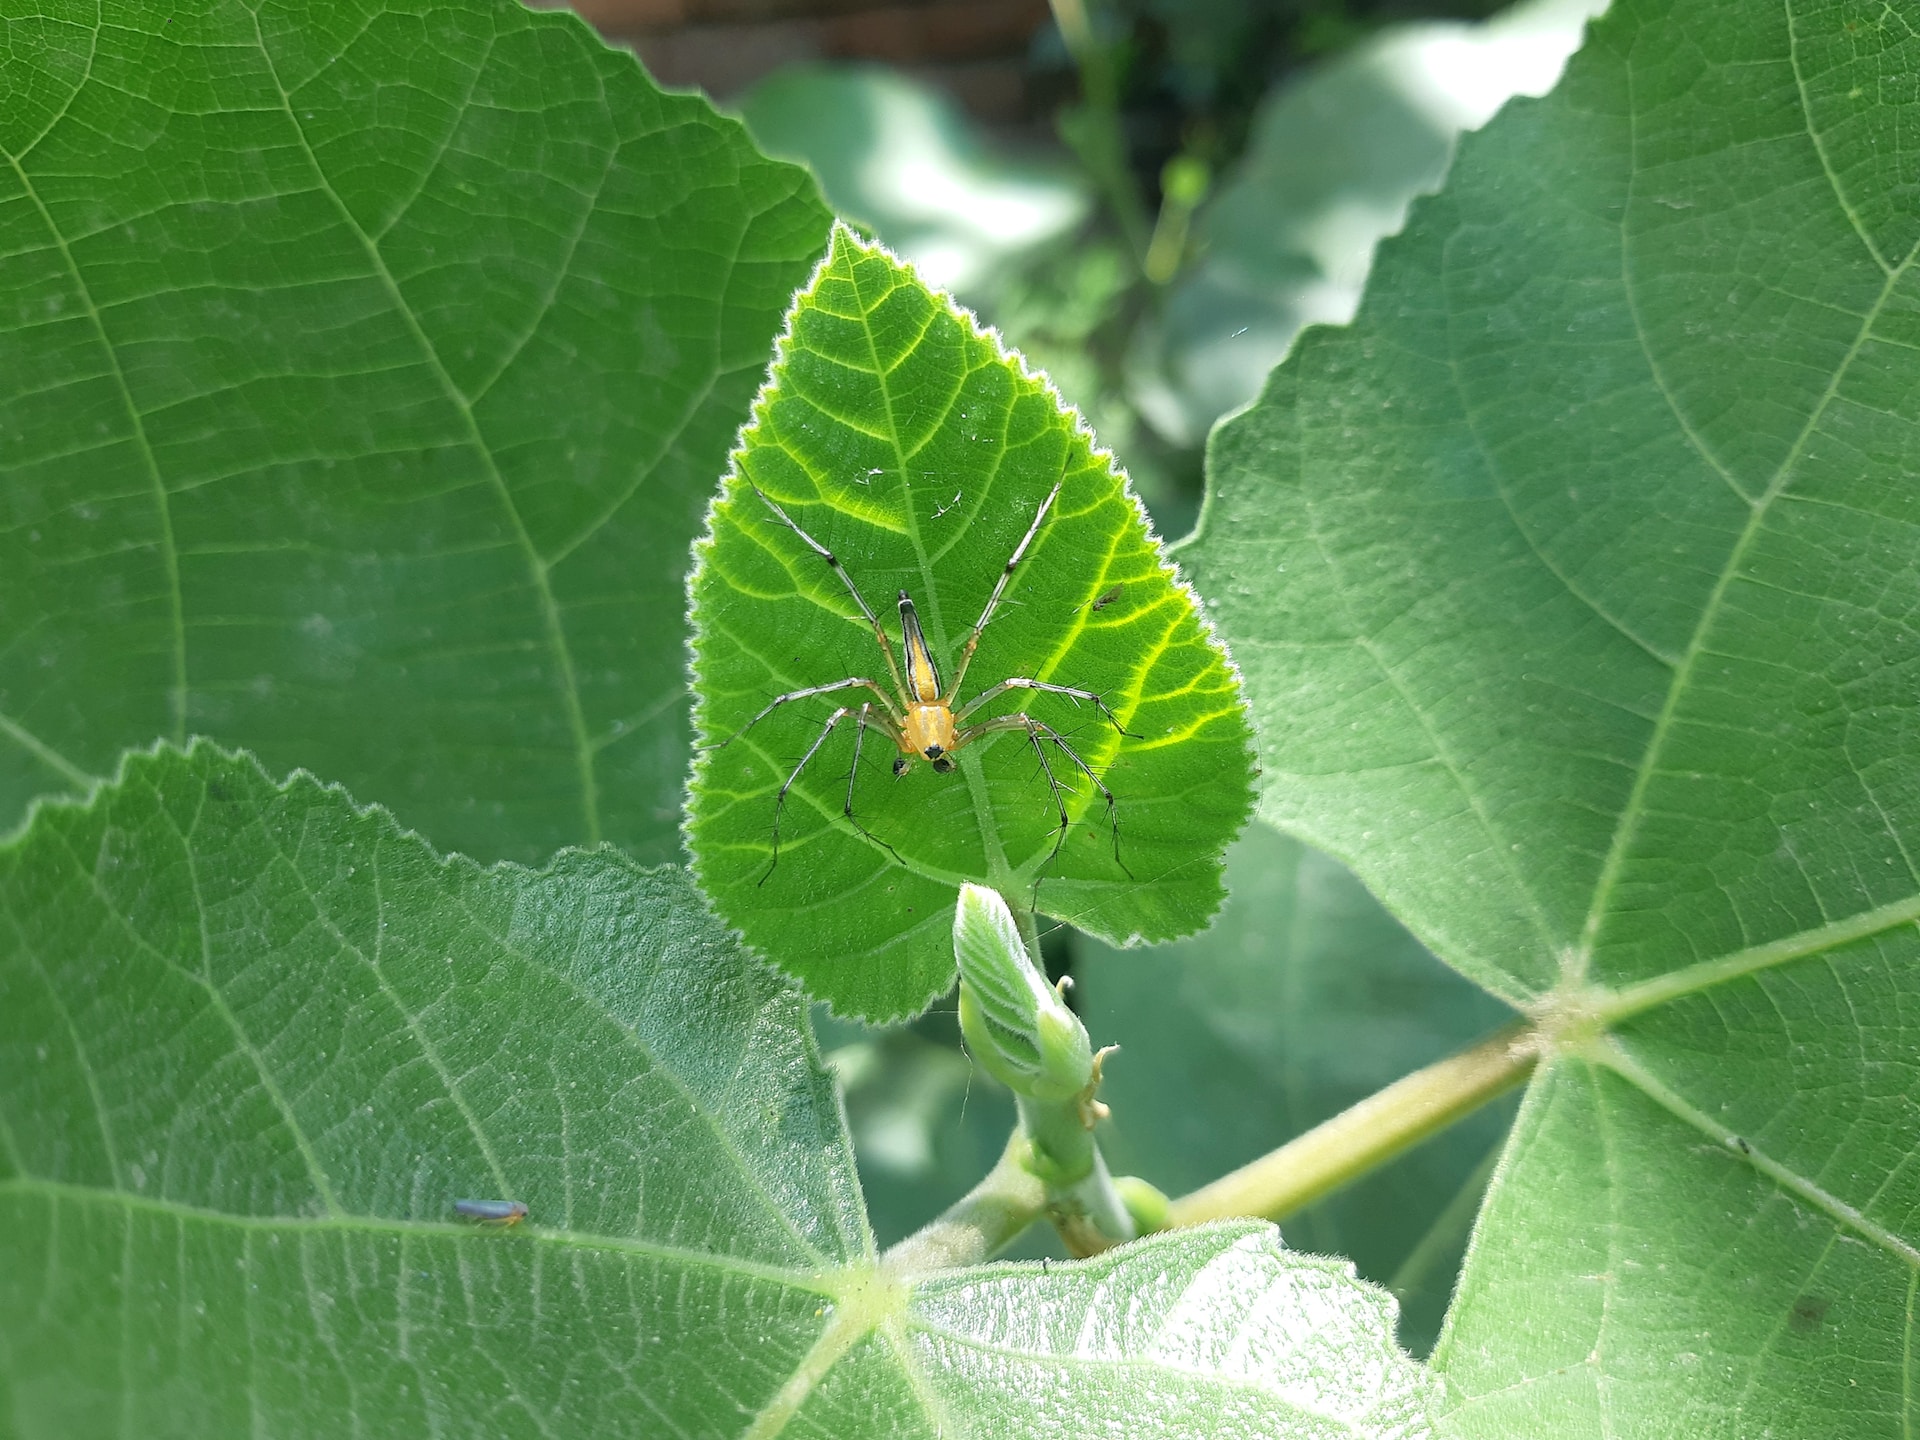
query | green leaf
[1577, 587]
[364, 370]
[1302, 999]
[898, 435]
[254, 1042]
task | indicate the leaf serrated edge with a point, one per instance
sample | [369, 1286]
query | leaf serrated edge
[1166, 564]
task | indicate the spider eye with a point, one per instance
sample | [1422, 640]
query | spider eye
[942, 764]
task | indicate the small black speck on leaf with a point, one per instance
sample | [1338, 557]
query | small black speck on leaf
[1808, 1311]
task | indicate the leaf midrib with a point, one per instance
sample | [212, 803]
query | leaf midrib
[827, 1280]
[999, 873]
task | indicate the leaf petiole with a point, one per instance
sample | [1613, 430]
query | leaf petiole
[1364, 1136]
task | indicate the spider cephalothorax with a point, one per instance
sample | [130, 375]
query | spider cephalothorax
[919, 716]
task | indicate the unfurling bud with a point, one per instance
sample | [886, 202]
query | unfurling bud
[1016, 1024]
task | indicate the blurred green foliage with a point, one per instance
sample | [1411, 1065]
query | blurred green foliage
[1295, 137]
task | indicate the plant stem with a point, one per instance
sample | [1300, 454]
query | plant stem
[1006, 1201]
[1093, 129]
[1342, 1149]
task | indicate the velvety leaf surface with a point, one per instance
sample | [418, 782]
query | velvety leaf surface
[1578, 590]
[905, 441]
[364, 369]
[1302, 998]
[255, 1041]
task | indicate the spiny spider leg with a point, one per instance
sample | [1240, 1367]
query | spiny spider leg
[1036, 730]
[999, 588]
[833, 564]
[1020, 683]
[812, 690]
[860, 734]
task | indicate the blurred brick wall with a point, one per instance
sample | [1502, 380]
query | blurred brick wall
[975, 50]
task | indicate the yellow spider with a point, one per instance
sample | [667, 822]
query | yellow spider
[919, 717]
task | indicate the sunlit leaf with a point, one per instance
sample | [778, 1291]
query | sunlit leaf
[1577, 587]
[904, 440]
[255, 1042]
[364, 370]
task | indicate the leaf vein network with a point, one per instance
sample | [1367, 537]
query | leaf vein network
[1615, 1057]
[566, 681]
[749, 1174]
[86, 77]
[1627, 830]
[1820, 146]
[163, 508]
[218, 1005]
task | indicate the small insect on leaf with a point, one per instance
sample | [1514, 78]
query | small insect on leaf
[897, 685]
[500, 1213]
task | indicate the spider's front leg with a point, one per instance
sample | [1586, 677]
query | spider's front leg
[860, 733]
[1019, 682]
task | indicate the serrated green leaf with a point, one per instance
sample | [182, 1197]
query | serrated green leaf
[1577, 584]
[364, 370]
[1302, 999]
[904, 440]
[255, 1041]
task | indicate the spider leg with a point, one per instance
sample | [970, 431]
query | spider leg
[780, 803]
[999, 588]
[833, 564]
[859, 734]
[1036, 731]
[1019, 683]
[774, 704]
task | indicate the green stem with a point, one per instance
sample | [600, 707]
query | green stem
[986, 1219]
[1314, 1165]
[1093, 129]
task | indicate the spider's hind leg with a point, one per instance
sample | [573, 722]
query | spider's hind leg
[1037, 732]
[780, 802]
[860, 734]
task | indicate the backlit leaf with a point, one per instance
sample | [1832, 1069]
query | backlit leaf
[904, 440]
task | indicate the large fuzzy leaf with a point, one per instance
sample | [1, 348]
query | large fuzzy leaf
[254, 1042]
[905, 441]
[1578, 589]
[365, 367]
